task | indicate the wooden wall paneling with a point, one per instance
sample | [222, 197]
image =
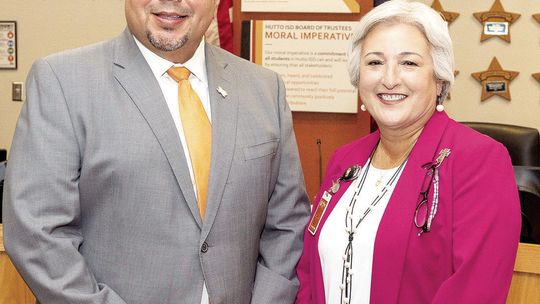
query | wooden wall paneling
[334, 130]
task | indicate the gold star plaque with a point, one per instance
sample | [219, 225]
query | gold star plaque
[496, 22]
[448, 16]
[448, 97]
[537, 17]
[495, 81]
[536, 76]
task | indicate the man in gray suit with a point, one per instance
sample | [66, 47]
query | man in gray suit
[101, 198]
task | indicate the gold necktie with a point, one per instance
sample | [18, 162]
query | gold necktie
[197, 130]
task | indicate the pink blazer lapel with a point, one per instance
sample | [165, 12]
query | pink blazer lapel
[346, 157]
[395, 227]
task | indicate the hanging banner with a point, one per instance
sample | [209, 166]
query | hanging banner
[311, 56]
[301, 6]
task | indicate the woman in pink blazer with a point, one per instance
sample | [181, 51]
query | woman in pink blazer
[424, 210]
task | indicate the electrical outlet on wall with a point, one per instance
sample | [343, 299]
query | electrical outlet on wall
[17, 91]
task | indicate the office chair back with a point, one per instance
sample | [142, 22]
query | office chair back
[523, 143]
[528, 183]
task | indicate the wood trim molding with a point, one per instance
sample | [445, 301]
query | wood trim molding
[2, 249]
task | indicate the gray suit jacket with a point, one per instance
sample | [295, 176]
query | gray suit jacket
[99, 205]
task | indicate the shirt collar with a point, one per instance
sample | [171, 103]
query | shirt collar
[159, 66]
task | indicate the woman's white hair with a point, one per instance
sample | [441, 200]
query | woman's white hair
[427, 20]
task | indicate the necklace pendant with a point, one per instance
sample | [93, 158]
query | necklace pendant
[378, 181]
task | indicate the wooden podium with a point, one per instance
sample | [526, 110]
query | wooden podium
[13, 288]
[525, 286]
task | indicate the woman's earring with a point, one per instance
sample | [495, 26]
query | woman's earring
[440, 107]
[363, 107]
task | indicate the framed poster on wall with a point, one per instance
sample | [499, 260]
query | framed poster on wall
[311, 56]
[8, 45]
[301, 6]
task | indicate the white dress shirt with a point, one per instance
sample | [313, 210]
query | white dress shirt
[169, 87]
[334, 239]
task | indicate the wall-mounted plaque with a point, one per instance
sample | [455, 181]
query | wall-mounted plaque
[495, 80]
[536, 76]
[537, 17]
[311, 56]
[448, 16]
[496, 22]
[8, 45]
[301, 6]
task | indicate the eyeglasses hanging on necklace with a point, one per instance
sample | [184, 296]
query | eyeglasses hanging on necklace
[423, 215]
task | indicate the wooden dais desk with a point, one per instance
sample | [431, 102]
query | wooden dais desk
[13, 289]
[525, 286]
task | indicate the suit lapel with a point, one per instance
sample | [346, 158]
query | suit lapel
[224, 104]
[135, 76]
[395, 227]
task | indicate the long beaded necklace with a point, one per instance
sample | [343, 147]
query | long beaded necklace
[347, 273]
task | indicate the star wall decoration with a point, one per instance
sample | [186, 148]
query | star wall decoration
[536, 76]
[496, 22]
[448, 97]
[537, 17]
[495, 80]
[448, 16]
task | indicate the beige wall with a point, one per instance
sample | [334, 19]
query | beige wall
[522, 55]
[47, 26]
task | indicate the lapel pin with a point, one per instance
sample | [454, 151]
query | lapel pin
[335, 187]
[351, 173]
[444, 153]
[222, 92]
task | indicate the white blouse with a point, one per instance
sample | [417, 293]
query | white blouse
[334, 238]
